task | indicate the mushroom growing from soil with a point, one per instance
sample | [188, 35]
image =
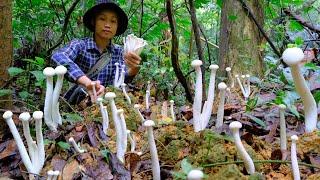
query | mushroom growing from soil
[153, 150]
[195, 174]
[173, 117]
[293, 57]
[283, 133]
[137, 109]
[123, 86]
[248, 163]
[60, 71]
[105, 117]
[49, 73]
[294, 159]
[222, 87]
[75, 146]
[37, 116]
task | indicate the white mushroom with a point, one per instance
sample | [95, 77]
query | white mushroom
[153, 150]
[195, 174]
[55, 175]
[49, 73]
[247, 84]
[222, 87]
[197, 102]
[22, 149]
[116, 76]
[50, 174]
[137, 109]
[116, 119]
[294, 159]
[25, 117]
[123, 133]
[248, 163]
[37, 116]
[123, 86]
[231, 81]
[105, 117]
[75, 146]
[60, 72]
[147, 99]
[293, 57]
[132, 141]
[173, 116]
[245, 94]
[283, 134]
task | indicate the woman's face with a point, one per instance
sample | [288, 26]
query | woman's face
[106, 25]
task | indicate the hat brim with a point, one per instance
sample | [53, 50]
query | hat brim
[122, 16]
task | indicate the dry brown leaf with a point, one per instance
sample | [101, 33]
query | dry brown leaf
[70, 170]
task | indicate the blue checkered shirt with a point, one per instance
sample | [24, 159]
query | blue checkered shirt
[80, 55]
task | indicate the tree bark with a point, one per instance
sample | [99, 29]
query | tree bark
[174, 52]
[6, 47]
[240, 45]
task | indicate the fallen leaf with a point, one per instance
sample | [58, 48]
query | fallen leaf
[70, 170]
[132, 160]
[10, 149]
[92, 135]
[58, 163]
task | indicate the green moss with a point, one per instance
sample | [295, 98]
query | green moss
[229, 172]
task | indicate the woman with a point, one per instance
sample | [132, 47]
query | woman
[106, 20]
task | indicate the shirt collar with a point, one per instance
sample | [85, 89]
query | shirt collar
[92, 45]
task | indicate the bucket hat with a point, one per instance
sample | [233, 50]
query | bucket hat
[102, 5]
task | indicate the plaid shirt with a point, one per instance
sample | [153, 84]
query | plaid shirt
[82, 54]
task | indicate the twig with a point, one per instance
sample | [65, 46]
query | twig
[300, 20]
[260, 161]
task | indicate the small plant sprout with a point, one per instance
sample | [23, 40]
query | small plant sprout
[105, 117]
[137, 109]
[75, 146]
[132, 141]
[201, 116]
[222, 87]
[7, 116]
[37, 116]
[49, 73]
[293, 56]
[147, 99]
[283, 134]
[173, 116]
[116, 119]
[153, 150]
[123, 132]
[195, 174]
[294, 159]
[248, 163]
[60, 72]
[231, 81]
[93, 84]
[123, 86]
[243, 90]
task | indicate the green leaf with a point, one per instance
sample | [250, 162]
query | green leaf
[295, 26]
[186, 166]
[39, 75]
[232, 17]
[179, 175]
[24, 95]
[14, 71]
[256, 120]
[4, 92]
[293, 110]
[64, 145]
[311, 66]
[298, 41]
[47, 142]
[40, 61]
[219, 3]
[316, 96]
[105, 153]
[72, 117]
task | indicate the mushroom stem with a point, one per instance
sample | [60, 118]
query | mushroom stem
[173, 116]
[153, 150]
[49, 73]
[294, 160]
[75, 146]
[136, 108]
[132, 141]
[116, 76]
[22, 149]
[244, 93]
[60, 71]
[123, 85]
[197, 102]
[25, 117]
[234, 127]
[50, 174]
[231, 81]
[283, 134]
[222, 87]
[147, 99]
[123, 133]
[37, 116]
[116, 119]
[105, 117]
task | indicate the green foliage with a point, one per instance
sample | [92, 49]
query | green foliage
[186, 167]
[72, 117]
[64, 145]
[14, 71]
[251, 104]
[5, 92]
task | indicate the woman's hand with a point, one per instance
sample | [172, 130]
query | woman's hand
[91, 86]
[132, 61]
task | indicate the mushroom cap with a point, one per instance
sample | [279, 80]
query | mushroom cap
[292, 56]
[236, 76]
[282, 106]
[228, 69]
[243, 76]
[195, 174]
[110, 95]
[25, 116]
[213, 67]
[60, 70]
[49, 71]
[123, 85]
[235, 125]
[71, 139]
[37, 115]
[99, 99]
[120, 111]
[128, 131]
[171, 101]
[196, 63]
[149, 123]
[222, 85]
[247, 75]
[228, 89]
[56, 173]
[7, 115]
[147, 91]
[136, 106]
[50, 173]
[294, 138]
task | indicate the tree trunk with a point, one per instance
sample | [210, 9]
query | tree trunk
[174, 52]
[6, 48]
[241, 42]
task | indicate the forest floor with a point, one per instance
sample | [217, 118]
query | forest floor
[179, 147]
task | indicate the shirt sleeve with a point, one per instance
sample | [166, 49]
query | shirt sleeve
[66, 57]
